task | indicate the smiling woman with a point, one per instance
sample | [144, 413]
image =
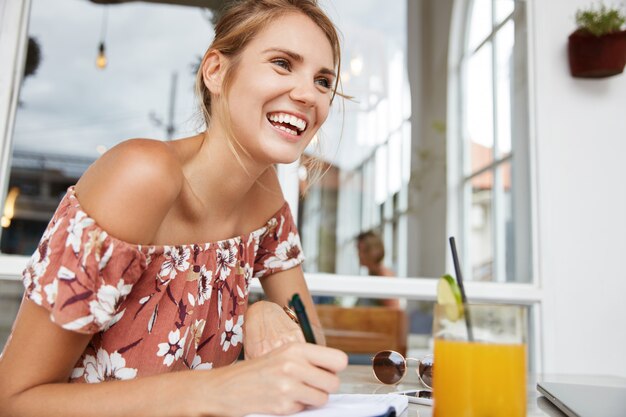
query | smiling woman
[142, 275]
[270, 72]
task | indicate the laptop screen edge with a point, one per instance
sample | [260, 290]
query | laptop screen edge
[544, 391]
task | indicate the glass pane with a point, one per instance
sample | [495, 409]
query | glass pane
[506, 226]
[480, 23]
[479, 108]
[420, 328]
[382, 189]
[504, 84]
[502, 9]
[481, 243]
[369, 139]
[71, 111]
[395, 164]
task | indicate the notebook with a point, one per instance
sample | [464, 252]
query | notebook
[356, 405]
[585, 400]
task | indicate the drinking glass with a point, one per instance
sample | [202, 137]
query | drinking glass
[485, 376]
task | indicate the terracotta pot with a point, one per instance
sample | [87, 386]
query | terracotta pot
[593, 56]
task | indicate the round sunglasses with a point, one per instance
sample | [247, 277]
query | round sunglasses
[390, 367]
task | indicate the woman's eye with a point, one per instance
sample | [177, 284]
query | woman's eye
[324, 82]
[283, 63]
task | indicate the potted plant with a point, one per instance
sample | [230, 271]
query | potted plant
[597, 48]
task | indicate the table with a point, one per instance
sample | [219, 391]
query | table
[359, 379]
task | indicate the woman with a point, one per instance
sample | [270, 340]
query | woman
[371, 251]
[124, 287]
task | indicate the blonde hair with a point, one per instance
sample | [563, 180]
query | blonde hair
[239, 23]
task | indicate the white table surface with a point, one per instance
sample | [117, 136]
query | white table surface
[359, 379]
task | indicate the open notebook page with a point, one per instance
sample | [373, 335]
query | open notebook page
[356, 405]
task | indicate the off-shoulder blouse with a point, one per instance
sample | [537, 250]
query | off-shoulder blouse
[151, 309]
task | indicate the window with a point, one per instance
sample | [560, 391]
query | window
[70, 111]
[365, 146]
[492, 139]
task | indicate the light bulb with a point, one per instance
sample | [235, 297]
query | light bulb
[101, 60]
[356, 65]
[9, 207]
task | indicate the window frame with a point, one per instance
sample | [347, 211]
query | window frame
[460, 173]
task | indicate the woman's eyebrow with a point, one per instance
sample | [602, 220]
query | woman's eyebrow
[299, 58]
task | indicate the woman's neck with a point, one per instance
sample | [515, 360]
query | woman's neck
[219, 179]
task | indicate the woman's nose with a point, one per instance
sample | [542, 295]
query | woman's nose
[303, 92]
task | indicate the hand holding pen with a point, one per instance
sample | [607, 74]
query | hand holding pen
[303, 320]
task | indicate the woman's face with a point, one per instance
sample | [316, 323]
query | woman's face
[281, 92]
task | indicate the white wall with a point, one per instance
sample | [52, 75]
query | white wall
[580, 150]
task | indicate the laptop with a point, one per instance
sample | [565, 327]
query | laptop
[585, 400]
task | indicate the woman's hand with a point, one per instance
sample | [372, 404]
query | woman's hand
[267, 327]
[285, 381]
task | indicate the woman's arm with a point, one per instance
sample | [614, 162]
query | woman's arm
[281, 286]
[39, 357]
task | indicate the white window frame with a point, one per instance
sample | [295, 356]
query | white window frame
[13, 35]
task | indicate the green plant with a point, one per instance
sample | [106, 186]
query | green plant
[600, 21]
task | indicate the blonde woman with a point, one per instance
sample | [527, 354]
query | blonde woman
[136, 297]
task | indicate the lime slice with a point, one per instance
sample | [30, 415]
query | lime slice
[449, 295]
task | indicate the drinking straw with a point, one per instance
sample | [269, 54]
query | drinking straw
[459, 278]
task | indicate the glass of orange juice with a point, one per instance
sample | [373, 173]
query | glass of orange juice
[485, 376]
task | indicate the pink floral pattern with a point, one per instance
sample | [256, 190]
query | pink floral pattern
[151, 309]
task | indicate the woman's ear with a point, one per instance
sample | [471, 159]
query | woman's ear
[213, 68]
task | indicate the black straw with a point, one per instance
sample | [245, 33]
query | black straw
[459, 279]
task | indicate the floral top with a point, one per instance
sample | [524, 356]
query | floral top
[151, 309]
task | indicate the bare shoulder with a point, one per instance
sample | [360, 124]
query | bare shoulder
[131, 188]
[387, 272]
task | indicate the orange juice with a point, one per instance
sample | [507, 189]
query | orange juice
[479, 379]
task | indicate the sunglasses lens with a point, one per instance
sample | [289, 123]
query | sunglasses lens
[389, 367]
[425, 371]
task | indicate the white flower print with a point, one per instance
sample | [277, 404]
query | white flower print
[108, 298]
[38, 264]
[226, 257]
[173, 349]
[151, 251]
[51, 291]
[287, 255]
[176, 261]
[105, 367]
[204, 285]
[79, 323]
[280, 228]
[66, 273]
[248, 272]
[75, 230]
[257, 242]
[94, 242]
[198, 365]
[195, 333]
[41, 260]
[31, 281]
[232, 335]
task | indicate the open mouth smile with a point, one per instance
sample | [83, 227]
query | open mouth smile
[287, 123]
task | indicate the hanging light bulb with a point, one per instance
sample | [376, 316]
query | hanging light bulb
[101, 60]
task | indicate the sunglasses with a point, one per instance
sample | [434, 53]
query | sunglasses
[390, 367]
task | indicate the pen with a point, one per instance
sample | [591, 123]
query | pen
[303, 319]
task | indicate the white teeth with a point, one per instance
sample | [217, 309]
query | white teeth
[292, 132]
[288, 118]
